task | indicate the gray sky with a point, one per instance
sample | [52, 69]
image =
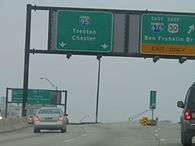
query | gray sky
[125, 82]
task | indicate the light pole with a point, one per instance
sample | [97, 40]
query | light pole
[50, 82]
[56, 88]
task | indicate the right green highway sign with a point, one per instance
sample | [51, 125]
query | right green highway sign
[152, 99]
[167, 34]
[84, 31]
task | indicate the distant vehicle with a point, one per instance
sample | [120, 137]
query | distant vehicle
[29, 119]
[187, 119]
[49, 118]
[30, 115]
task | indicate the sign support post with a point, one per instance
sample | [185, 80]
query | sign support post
[26, 59]
[65, 104]
[6, 102]
[98, 88]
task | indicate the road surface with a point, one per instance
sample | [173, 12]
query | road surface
[109, 134]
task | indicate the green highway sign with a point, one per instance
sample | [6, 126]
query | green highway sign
[36, 96]
[152, 99]
[84, 31]
[168, 34]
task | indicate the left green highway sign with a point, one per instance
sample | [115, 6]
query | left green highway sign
[35, 96]
[84, 31]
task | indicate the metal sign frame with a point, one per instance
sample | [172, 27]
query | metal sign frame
[127, 37]
[114, 11]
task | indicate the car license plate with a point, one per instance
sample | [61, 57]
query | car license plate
[48, 118]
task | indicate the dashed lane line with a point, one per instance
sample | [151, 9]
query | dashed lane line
[68, 140]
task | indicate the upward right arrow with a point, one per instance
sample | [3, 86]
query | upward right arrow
[191, 28]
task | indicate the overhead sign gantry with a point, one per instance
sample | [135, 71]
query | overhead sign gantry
[110, 32]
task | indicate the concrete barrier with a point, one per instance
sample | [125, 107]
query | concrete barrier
[12, 124]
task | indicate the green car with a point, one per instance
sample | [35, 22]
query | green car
[49, 118]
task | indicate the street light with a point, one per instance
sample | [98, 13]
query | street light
[50, 82]
[53, 85]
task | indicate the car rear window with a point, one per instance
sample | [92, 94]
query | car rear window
[191, 99]
[49, 111]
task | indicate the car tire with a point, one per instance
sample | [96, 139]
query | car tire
[63, 130]
[36, 130]
[186, 140]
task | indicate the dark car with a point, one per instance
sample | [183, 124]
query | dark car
[187, 119]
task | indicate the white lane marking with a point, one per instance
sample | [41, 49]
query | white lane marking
[156, 134]
[162, 140]
[157, 130]
[68, 140]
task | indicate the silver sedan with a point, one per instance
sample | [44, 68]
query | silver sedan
[49, 118]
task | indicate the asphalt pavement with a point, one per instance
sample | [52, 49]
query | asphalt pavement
[109, 134]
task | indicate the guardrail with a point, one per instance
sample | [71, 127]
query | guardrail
[10, 124]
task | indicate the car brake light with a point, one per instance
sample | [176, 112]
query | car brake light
[187, 115]
[61, 118]
[36, 118]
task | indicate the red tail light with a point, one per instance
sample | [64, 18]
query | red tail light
[36, 118]
[61, 118]
[187, 115]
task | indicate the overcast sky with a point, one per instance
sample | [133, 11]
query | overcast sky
[125, 82]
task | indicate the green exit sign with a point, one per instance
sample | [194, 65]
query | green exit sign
[37, 96]
[168, 34]
[84, 31]
[152, 99]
